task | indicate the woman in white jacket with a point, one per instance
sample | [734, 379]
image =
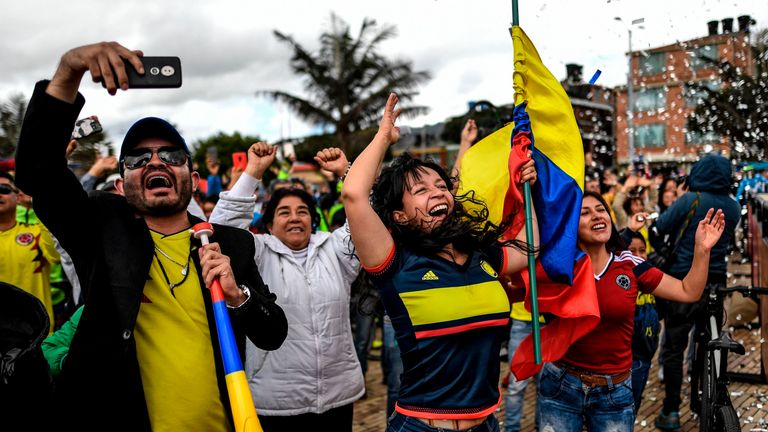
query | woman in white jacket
[312, 381]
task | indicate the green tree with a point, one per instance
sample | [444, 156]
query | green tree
[225, 145]
[11, 116]
[739, 109]
[308, 146]
[347, 80]
[488, 117]
[12, 113]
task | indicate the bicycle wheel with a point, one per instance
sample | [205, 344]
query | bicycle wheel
[726, 420]
[708, 380]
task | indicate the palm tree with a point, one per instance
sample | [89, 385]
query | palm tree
[347, 80]
[739, 110]
[12, 113]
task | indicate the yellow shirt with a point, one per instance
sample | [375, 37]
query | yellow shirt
[173, 344]
[520, 313]
[26, 255]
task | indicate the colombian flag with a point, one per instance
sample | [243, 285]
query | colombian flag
[566, 285]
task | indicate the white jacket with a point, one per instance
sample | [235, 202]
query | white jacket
[316, 369]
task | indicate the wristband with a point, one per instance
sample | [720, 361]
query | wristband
[344, 177]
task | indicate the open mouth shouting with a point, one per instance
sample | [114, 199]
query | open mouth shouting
[158, 182]
[439, 211]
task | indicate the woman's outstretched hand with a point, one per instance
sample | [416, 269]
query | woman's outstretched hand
[387, 129]
[710, 229]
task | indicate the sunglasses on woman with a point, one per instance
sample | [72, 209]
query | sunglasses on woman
[138, 158]
[6, 189]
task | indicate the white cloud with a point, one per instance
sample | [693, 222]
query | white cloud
[228, 51]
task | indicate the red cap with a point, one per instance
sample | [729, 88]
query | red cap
[202, 228]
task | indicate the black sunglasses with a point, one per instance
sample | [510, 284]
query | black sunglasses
[6, 189]
[138, 158]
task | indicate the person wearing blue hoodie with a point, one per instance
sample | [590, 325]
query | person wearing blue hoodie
[710, 182]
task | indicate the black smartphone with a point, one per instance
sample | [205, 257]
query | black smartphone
[86, 127]
[159, 72]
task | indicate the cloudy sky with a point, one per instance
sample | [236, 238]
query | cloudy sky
[228, 51]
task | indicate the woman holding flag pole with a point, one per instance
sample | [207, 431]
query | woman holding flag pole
[591, 383]
[436, 259]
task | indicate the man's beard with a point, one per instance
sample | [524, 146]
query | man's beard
[164, 206]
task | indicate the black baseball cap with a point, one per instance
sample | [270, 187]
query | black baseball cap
[150, 127]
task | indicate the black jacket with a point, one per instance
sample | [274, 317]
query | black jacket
[112, 251]
[710, 180]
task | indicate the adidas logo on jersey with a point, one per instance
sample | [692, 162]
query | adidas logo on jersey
[430, 275]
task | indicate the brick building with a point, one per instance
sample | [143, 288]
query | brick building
[593, 107]
[664, 96]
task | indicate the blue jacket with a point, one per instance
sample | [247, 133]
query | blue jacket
[711, 178]
[757, 183]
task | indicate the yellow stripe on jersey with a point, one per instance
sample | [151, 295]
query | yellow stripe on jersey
[438, 305]
[520, 313]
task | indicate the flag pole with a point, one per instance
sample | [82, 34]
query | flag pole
[529, 238]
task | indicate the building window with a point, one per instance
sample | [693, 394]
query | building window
[697, 138]
[650, 99]
[694, 96]
[699, 56]
[651, 135]
[652, 64]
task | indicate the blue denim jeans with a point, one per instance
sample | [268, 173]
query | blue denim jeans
[394, 366]
[513, 404]
[565, 404]
[401, 423]
[639, 378]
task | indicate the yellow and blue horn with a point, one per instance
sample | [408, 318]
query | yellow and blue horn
[240, 399]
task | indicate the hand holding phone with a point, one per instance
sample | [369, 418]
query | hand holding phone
[642, 217]
[240, 160]
[159, 72]
[85, 127]
[212, 160]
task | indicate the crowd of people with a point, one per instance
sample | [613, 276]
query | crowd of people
[135, 341]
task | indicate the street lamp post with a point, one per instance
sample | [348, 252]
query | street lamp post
[630, 94]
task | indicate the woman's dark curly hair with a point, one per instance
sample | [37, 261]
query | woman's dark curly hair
[467, 230]
[278, 195]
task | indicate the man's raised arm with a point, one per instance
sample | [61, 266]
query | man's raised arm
[41, 165]
[105, 61]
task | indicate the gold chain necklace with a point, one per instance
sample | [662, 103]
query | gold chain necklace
[184, 267]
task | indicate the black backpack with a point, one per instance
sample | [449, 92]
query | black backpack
[645, 336]
[25, 383]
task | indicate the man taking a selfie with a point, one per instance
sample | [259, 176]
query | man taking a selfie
[146, 354]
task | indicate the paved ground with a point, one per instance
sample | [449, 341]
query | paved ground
[750, 400]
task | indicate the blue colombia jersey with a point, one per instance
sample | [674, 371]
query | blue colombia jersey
[449, 321]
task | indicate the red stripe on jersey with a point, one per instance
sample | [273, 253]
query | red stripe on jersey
[461, 328]
[465, 414]
[383, 266]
